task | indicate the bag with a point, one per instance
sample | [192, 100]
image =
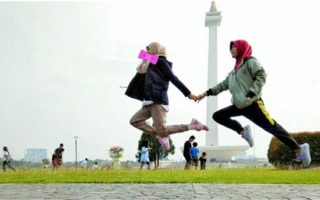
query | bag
[136, 87]
[54, 161]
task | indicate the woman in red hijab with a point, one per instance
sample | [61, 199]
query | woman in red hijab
[245, 83]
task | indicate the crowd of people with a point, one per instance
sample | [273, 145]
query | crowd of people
[191, 155]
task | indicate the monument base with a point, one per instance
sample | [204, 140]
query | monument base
[221, 153]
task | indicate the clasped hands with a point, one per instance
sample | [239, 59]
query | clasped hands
[201, 96]
[197, 98]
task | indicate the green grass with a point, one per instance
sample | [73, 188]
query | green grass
[214, 175]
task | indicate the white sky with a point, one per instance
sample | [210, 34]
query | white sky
[62, 64]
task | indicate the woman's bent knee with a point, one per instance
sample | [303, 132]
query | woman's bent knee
[216, 116]
[133, 122]
[161, 131]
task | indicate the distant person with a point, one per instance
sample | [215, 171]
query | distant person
[194, 155]
[186, 151]
[95, 166]
[6, 159]
[127, 165]
[83, 163]
[245, 82]
[57, 157]
[203, 160]
[144, 158]
[106, 165]
[150, 85]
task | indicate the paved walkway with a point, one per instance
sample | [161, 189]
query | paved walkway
[158, 191]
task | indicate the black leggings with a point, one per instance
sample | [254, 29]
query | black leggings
[258, 114]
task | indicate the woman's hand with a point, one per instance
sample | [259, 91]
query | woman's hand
[192, 96]
[201, 96]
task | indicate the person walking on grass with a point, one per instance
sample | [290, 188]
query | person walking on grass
[186, 152]
[150, 85]
[95, 166]
[6, 159]
[245, 83]
[194, 151]
[144, 158]
[203, 160]
[83, 163]
[57, 157]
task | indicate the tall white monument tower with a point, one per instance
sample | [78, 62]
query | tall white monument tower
[215, 152]
[213, 19]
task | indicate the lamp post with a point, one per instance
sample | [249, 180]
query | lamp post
[76, 150]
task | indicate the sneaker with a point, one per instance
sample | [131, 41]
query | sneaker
[247, 135]
[198, 125]
[304, 155]
[164, 141]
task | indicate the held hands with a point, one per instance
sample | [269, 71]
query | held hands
[193, 97]
[201, 96]
[197, 98]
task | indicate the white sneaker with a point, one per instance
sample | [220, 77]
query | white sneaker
[304, 155]
[247, 135]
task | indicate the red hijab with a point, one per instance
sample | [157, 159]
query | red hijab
[244, 50]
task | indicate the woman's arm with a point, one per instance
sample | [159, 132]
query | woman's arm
[167, 71]
[222, 86]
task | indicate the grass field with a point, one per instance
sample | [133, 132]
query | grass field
[214, 175]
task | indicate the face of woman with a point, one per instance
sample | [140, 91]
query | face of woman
[234, 51]
[153, 48]
[149, 51]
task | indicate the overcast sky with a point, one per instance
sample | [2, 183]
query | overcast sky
[62, 65]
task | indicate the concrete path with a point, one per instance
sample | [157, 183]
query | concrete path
[159, 191]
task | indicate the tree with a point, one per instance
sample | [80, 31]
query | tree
[157, 152]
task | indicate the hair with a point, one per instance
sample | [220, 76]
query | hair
[204, 153]
[61, 145]
[192, 137]
[145, 143]
[5, 148]
[95, 163]
[194, 144]
[86, 159]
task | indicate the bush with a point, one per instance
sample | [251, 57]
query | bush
[280, 155]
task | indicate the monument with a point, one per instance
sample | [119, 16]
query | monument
[215, 152]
